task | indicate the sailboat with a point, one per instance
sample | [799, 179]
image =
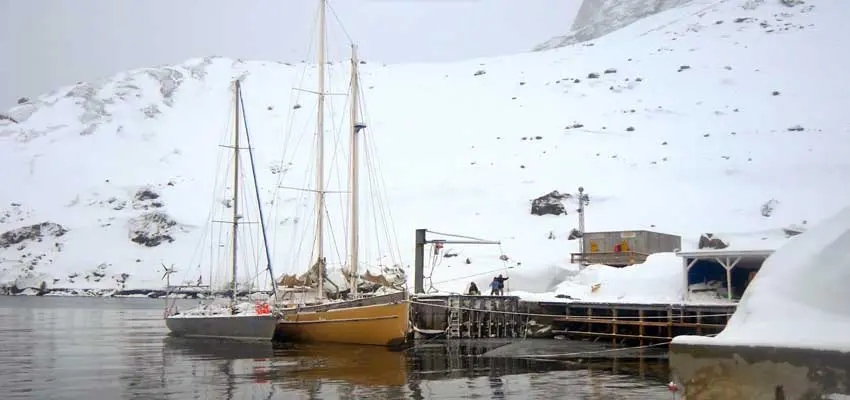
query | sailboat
[231, 321]
[359, 319]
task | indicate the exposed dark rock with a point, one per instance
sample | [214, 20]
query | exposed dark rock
[684, 67]
[23, 100]
[151, 111]
[796, 128]
[549, 204]
[592, 75]
[146, 194]
[8, 118]
[479, 72]
[148, 240]
[768, 207]
[33, 232]
[152, 229]
[709, 241]
[611, 71]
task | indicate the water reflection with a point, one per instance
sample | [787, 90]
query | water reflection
[119, 348]
[445, 370]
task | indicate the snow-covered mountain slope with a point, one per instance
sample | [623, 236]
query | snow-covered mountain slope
[597, 18]
[692, 120]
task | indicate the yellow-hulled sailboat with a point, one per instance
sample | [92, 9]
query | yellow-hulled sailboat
[360, 319]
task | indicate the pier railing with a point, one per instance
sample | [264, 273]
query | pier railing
[622, 258]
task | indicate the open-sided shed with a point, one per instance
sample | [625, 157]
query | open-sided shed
[735, 267]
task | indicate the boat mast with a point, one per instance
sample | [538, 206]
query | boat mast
[320, 160]
[354, 171]
[257, 194]
[235, 187]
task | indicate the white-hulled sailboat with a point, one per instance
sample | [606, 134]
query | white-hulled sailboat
[245, 321]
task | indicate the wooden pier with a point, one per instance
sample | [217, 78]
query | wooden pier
[639, 324]
[460, 316]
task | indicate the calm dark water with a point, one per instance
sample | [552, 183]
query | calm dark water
[105, 348]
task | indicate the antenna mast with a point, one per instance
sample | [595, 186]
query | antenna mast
[583, 200]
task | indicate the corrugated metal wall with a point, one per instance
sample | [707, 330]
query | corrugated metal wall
[638, 241]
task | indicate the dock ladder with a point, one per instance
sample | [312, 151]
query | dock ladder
[454, 317]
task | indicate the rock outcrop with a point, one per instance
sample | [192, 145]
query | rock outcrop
[596, 18]
[549, 204]
[33, 232]
[152, 229]
[709, 241]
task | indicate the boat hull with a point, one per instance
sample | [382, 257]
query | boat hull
[376, 324]
[235, 327]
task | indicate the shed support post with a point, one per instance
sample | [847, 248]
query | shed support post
[728, 264]
[688, 264]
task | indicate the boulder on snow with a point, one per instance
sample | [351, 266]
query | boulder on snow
[709, 241]
[795, 229]
[549, 204]
[146, 198]
[768, 207]
[33, 232]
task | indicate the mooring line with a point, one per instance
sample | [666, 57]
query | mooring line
[555, 315]
[579, 353]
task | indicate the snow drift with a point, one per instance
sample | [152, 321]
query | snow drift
[799, 298]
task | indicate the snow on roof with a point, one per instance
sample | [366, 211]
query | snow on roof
[803, 284]
[709, 253]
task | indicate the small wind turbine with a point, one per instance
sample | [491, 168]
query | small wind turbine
[167, 274]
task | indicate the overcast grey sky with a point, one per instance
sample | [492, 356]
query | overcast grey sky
[51, 43]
